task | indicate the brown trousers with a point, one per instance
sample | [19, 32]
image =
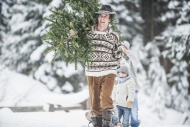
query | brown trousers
[100, 90]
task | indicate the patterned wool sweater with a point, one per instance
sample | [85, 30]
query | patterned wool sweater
[106, 53]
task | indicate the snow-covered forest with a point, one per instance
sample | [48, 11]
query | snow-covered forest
[159, 34]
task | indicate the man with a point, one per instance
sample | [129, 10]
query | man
[131, 61]
[102, 69]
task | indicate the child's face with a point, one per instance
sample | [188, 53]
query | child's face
[122, 75]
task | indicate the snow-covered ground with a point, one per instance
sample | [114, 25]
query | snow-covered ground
[42, 119]
[20, 90]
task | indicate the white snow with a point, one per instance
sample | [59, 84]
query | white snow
[49, 57]
[173, 4]
[36, 55]
[42, 119]
[68, 87]
[68, 70]
[182, 30]
[20, 90]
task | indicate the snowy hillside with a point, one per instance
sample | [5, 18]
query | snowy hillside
[20, 90]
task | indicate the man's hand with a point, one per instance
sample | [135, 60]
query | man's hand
[129, 104]
[71, 32]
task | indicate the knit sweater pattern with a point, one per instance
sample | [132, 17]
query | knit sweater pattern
[106, 53]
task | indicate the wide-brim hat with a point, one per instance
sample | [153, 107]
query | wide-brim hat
[105, 9]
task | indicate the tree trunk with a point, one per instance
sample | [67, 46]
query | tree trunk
[147, 12]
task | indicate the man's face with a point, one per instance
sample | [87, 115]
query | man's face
[103, 20]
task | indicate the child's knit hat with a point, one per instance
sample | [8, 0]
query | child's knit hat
[124, 69]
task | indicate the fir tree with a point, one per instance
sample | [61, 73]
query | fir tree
[22, 34]
[177, 40]
[173, 46]
[78, 16]
[22, 49]
[4, 19]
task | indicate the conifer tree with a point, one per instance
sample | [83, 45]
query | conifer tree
[78, 16]
[173, 53]
[3, 20]
[177, 40]
[23, 24]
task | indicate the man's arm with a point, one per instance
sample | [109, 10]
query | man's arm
[117, 51]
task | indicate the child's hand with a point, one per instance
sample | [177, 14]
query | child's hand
[126, 51]
[129, 104]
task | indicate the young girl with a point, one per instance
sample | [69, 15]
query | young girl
[124, 95]
[130, 60]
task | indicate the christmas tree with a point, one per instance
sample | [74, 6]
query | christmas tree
[78, 16]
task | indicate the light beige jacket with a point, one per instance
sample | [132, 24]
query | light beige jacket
[124, 92]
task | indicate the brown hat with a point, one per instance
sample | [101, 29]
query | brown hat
[105, 9]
